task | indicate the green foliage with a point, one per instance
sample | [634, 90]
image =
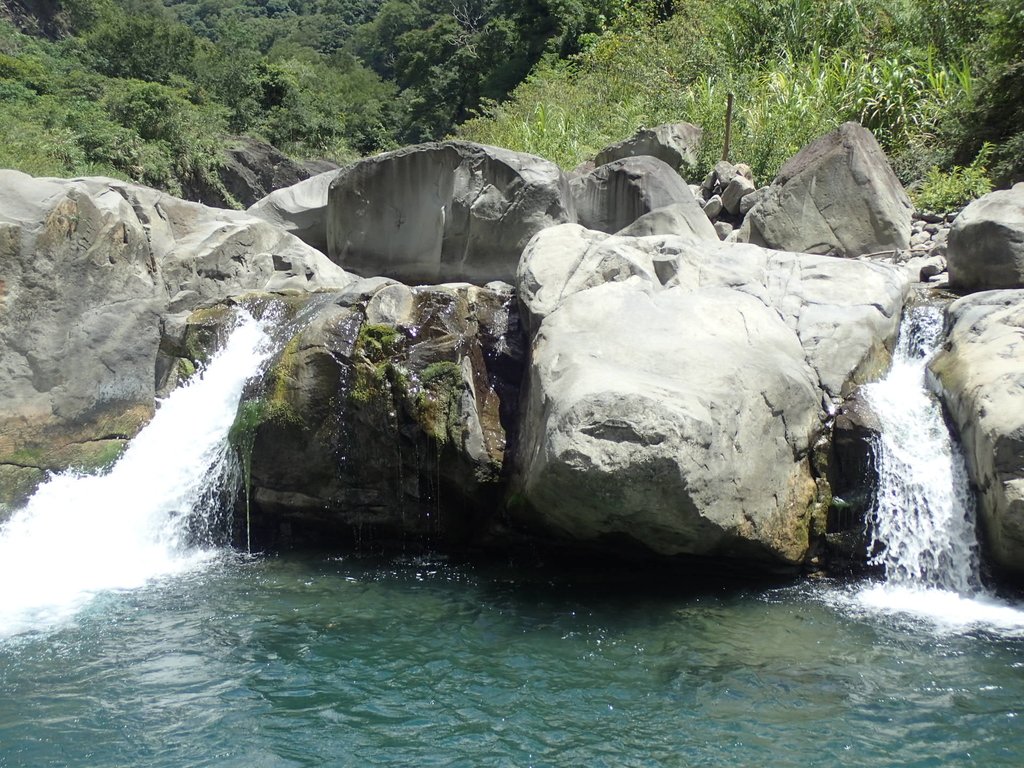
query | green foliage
[944, 191]
[797, 68]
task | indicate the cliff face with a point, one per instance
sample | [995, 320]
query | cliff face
[43, 18]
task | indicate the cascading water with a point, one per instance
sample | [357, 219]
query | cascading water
[924, 510]
[80, 535]
[923, 531]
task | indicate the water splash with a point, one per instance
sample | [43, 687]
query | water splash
[923, 531]
[924, 509]
[80, 535]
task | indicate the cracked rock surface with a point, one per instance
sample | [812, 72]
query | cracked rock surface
[676, 387]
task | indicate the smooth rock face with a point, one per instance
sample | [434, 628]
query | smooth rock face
[90, 268]
[685, 218]
[676, 387]
[300, 209]
[846, 313]
[685, 428]
[452, 211]
[980, 373]
[837, 196]
[986, 243]
[613, 196]
[674, 144]
[390, 413]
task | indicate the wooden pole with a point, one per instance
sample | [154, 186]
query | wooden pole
[728, 126]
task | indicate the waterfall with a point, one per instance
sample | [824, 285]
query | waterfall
[924, 510]
[81, 535]
[923, 519]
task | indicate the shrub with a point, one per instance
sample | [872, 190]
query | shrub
[943, 191]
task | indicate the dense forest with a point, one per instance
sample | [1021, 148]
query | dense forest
[152, 91]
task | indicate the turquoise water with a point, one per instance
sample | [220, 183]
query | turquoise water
[356, 662]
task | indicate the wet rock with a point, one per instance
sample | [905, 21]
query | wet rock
[980, 376]
[388, 416]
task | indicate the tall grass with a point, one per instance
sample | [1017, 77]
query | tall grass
[798, 68]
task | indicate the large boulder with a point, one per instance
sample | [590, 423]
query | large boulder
[451, 211]
[674, 143]
[837, 196]
[388, 415]
[986, 243]
[91, 270]
[300, 209]
[846, 313]
[980, 375]
[613, 196]
[677, 388]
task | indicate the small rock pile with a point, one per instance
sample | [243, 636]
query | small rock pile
[925, 260]
[727, 193]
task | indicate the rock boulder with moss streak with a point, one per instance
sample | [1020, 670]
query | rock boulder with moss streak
[979, 371]
[449, 211]
[92, 268]
[678, 389]
[389, 415]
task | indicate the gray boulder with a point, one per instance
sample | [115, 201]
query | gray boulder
[685, 429]
[674, 144]
[846, 313]
[664, 368]
[986, 244]
[451, 211]
[91, 269]
[980, 376]
[685, 218]
[300, 209]
[837, 196]
[613, 196]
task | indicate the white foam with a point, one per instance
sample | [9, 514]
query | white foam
[947, 611]
[80, 535]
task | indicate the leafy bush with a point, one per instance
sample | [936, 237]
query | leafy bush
[943, 191]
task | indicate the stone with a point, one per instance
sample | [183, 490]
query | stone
[749, 201]
[635, 402]
[675, 144]
[724, 229]
[979, 373]
[686, 443]
[846, 313]
[837, 196]
[685, 219]
[443, 212]
[986, 243]
[91, 269]
[734, 193]
[616, 194]
[391, 415]
[300, 209]
[713, 207]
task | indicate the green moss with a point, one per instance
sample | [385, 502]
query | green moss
[186, 368]
[438, 403]
[374, 366]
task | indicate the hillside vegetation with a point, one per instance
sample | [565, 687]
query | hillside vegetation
[153, 92]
